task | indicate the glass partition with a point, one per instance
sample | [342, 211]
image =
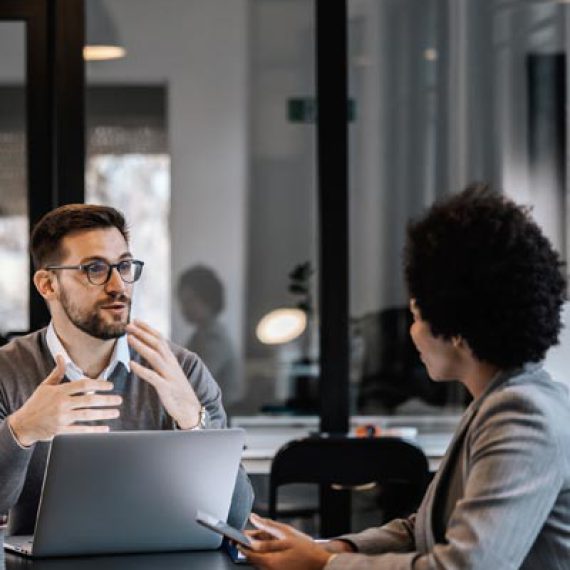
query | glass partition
[203, 134]
[445, 93]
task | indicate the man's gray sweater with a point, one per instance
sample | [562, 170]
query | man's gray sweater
[26, 361]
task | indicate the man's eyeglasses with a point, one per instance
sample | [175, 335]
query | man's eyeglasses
[99, 272]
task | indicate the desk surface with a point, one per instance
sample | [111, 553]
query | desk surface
[265, 435]
[214, 560]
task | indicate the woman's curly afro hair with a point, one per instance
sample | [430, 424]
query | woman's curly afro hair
[479, 267]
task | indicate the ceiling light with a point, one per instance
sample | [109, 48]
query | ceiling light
[100, 53]
[101, 37]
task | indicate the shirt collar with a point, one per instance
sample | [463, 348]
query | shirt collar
[120, 354]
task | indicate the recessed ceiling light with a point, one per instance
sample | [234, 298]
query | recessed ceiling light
[99, 53]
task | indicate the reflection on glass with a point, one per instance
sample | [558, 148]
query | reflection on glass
[282, 226]
[206, 86]
[14, 275]
[394, 61]
[200, 101]
[202, 299]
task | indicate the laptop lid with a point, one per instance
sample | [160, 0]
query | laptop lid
[135, 491]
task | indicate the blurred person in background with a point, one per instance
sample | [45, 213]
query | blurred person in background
[202, 299]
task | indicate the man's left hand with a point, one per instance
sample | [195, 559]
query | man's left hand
[165, 374]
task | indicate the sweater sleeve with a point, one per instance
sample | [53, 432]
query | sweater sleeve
[205, 388]
[22, 363]
[14, 461]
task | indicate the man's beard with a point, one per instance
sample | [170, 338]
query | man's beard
[91, 322]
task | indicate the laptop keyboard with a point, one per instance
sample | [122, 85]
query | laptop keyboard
[21, 544]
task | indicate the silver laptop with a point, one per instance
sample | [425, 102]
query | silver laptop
[133, 492]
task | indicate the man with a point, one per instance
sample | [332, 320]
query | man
[91, 370]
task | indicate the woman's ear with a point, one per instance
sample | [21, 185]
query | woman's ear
[44, 281]
[458, 342]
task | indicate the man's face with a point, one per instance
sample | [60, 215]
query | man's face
[101, 311]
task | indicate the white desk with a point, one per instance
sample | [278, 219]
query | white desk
[266, 434]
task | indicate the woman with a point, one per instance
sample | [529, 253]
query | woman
[486, 290]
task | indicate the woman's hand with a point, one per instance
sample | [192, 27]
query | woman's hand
[277, 546]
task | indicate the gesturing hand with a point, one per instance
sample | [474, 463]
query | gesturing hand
[165, 374]
[56, 408]
[277, 546]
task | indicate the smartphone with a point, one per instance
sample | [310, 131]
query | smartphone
[222, 528]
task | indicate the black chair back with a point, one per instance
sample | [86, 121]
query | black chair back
[346, 463]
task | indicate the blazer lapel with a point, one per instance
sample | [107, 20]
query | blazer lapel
[425, 535]
[425, 531]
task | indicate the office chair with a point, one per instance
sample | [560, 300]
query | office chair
[341, 464]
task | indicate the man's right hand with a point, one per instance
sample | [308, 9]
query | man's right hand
[56, 408]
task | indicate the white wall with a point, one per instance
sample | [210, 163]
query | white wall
[12, 45]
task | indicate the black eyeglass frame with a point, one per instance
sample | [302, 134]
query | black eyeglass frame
[85, 268]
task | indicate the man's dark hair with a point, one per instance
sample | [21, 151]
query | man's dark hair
[48, 233]
[206, 284]
[479, 267]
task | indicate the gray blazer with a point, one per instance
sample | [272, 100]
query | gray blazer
[501, 497]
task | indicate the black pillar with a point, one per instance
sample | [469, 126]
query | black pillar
[68, 25]
[55, 116]
[332, 176]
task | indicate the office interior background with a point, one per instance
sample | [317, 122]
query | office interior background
[204, 135]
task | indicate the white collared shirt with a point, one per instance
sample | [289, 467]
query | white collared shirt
[72, 371]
